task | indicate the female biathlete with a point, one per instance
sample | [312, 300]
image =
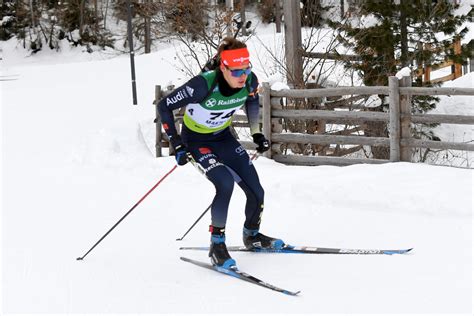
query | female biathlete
[211, 99]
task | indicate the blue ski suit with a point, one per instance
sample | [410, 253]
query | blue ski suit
[207, 137]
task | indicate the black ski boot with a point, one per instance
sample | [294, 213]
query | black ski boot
[255, 240]
[218, 250]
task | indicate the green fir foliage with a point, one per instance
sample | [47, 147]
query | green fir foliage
[394, 34]
[40, 22]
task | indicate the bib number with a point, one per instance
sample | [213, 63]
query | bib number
[216, 115]
[209, 119]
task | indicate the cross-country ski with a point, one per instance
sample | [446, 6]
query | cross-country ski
[310, 250]
[236, 273]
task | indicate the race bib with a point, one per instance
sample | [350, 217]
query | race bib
[204, 120]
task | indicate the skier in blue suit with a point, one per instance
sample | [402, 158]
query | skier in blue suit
[210, 99]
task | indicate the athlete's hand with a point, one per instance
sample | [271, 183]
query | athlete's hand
[262, 143]
[181, 155]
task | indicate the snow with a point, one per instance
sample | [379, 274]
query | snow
[5, 20]
[277, 86]
[76, 156]
[458, 104]
[404, 72]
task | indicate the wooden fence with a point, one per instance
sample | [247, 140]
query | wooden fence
[399, 119]
[424, 71]
[161, 139]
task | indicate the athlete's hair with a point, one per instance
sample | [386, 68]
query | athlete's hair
[229, 43]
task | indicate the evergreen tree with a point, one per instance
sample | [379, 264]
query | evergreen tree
[45, 22]
[10, 21]
[389, 38]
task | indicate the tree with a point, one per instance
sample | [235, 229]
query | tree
[320, 62]
[200, 26]
[45, 22]
[388, 37]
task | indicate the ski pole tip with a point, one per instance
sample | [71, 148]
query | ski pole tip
[80, 258]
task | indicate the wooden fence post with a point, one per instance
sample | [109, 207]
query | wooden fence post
[471, 63]
[293, 47]
[158, 134]
[405, 122]
[278, 15]
[394, 97]
[267, 116]
[457, 51]
[427, 68]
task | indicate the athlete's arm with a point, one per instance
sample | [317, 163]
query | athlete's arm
[252, 107]
[193, 91]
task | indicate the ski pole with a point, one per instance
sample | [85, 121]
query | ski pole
[192, 226]
[198, 166]
[136, 204]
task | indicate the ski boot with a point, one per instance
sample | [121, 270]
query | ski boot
[255, 240]
[218, 250]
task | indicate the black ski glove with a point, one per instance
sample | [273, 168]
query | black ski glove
[181, 155]
[181, 152]
[262, 143]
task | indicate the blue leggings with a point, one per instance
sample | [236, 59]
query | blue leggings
[224, 162]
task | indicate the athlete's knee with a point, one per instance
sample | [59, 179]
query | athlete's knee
[255, 194]
[259, 193]
[225, 186]
[222, 180]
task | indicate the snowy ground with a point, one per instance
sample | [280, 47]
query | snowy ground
[456, 132]
[76, 157]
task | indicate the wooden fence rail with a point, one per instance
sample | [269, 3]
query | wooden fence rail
[399, 119]
[424, 70]
[161, 139]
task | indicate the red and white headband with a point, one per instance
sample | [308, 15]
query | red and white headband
[235, 57]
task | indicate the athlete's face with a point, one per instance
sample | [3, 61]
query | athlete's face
[236, 76]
